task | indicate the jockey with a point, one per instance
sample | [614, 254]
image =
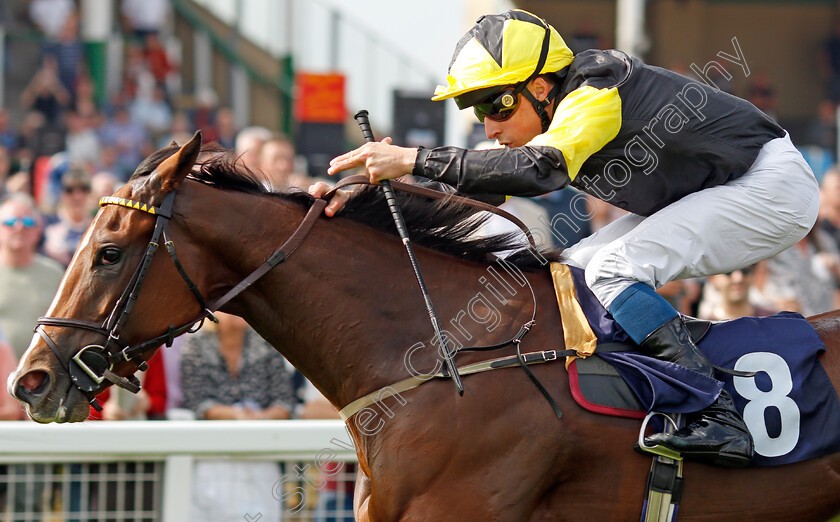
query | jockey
[711, 183]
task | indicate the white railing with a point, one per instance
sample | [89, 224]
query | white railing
[155, 459]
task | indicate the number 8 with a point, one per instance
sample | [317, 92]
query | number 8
[777, 397]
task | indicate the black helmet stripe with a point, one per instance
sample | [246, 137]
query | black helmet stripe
[488, 30]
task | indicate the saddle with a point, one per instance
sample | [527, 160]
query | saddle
[597, 385]
[787, 400]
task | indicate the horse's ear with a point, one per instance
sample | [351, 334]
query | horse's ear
[172, 171]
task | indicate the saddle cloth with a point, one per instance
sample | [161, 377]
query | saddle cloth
[790, 406]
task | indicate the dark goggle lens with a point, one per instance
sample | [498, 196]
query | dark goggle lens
[498, 107]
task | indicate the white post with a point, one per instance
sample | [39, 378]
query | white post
[97, 18]
[177, 488]
[630, 27]
[239, 93]
[202, 62]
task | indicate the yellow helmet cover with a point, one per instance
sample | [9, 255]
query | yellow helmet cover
[502, 50]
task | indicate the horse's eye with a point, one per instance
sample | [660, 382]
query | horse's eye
[109, 256]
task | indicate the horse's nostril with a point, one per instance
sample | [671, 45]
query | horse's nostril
[34, 382]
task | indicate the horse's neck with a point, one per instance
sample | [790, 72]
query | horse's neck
[345, 308]
[344, 314]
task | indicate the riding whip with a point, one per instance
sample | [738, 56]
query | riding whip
[364, 123]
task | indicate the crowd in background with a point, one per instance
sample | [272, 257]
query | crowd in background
[62, 153]
[66, 150]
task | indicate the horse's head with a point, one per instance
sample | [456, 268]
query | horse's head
[80, 346]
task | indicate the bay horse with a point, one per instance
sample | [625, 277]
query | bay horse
[345, 310]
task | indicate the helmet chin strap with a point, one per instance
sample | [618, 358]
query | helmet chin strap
[540, 106]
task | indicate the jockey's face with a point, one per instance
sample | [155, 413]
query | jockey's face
[524, 124]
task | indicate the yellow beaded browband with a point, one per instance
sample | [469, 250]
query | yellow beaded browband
[111, 200]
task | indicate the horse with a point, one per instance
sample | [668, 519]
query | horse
[343, 307]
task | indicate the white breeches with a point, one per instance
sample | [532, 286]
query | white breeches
[715, 230]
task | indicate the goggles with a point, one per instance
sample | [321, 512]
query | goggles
[499, 106]
[26, 221]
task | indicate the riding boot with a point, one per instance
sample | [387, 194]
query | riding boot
[716, 435]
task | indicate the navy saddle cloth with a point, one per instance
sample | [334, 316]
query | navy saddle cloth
[790, 406]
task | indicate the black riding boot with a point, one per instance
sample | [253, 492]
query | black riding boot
[716, 435]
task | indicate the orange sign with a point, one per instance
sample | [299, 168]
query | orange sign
[320, 98]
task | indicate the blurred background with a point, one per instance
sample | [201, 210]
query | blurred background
[90, 87]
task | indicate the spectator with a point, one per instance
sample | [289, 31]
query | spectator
[29, 143]
[180, 130]
[225, 128]
[45, 93]
[157, 60]
[102, 184]
[127, 138]
[50, 16]
[204, 113]
[682, 294]
[28, 280]
[822, 132]
[155, 386]
[74, 215]
[804, 278]
[5, 167]
[249, 142]
[829, 220]
[171, 358]
[230, 373]
[82, 141]
[145, 17]
[277, 161]
[8, 135]
[728, 296]
[762, 94]
[135, 71]
[151, 110]
[68, 53]
[123, 405]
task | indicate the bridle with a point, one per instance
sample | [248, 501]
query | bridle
[91, 368]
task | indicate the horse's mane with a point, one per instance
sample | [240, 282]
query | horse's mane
[442, 225]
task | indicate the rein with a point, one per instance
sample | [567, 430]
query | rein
[361, 179]
[91, 368]
[414, 381]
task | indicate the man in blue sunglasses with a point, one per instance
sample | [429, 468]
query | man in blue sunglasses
[28, 280]
[711, 183]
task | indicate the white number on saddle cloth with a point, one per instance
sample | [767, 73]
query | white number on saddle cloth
[777, 397]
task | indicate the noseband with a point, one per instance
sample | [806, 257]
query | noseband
[91, 368]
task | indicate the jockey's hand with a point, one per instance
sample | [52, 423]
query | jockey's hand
[336, 203]
[381, 160]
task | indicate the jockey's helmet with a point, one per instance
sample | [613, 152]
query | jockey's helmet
[500, 51]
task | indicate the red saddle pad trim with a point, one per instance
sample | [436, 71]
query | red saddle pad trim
[574, 386]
